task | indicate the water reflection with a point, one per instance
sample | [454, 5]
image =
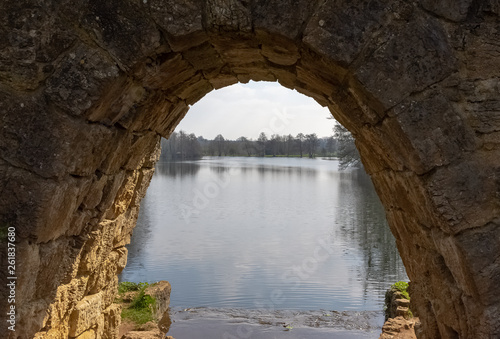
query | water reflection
[262, 169]
[175, 169]
[258, 227]
[367, 225]
[141, 235]
[213, 323]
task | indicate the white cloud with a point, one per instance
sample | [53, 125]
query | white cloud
[247, 109]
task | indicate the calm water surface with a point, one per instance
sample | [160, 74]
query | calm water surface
[265, 234]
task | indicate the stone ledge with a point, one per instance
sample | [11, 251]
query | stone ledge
[400, 328]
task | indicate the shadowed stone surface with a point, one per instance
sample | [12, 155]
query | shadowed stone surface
[87, 88]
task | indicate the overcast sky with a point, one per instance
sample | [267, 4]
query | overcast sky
[248, 109]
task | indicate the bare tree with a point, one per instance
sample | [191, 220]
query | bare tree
[181, 152]
[274, 144]
[193, 149]
[245, 145]
[289, 144]
[331, 144]
[181, 146]
[219, 142]
[300, 139]
[347, 152]
[311, 142]
[262, 142]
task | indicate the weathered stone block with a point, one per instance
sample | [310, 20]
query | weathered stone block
[455, 10]
[31, 40]
[284, 17]
[97, 247]
[29, 146]
[342, 29]
[181, 21]
[227, 15]
[445, 140]
[280, 55]
[169, 74]
[286, 77]
[90, 334]
[141, 150]
[111, 187]
[242, 56]
[66, 299]
[143, 335]
[161, 292]
[120, 98]
[128, 34]
[254, 72]
[481, 51]
[86, 314]
[122, 259]
[193, 90]
[149, 113]
[172, 118]
[317, 88]
[67, 195]
[123, 197]
[223, 80]
[204, 58]
[112, 319]
[51, 334]
[126, 224]
[79, 80]
[418, 62]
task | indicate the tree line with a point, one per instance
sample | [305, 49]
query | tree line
[187, 146]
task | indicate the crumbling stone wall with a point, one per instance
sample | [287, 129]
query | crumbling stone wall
[88, 87]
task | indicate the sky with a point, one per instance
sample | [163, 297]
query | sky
[249, 109]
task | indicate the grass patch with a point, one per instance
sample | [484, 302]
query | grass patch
[143, 301]
[140, 309]
[137, 316]
[128, 286]
[402, 286]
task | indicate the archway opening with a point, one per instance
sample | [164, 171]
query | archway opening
[268, 232]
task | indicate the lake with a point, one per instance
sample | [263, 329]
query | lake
[255, 238]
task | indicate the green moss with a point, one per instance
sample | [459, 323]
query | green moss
[402, 286]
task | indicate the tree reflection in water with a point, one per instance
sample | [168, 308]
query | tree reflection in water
[367, 225]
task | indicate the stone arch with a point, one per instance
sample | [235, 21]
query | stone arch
[87, 89]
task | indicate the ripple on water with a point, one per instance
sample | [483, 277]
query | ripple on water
[263, 323]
